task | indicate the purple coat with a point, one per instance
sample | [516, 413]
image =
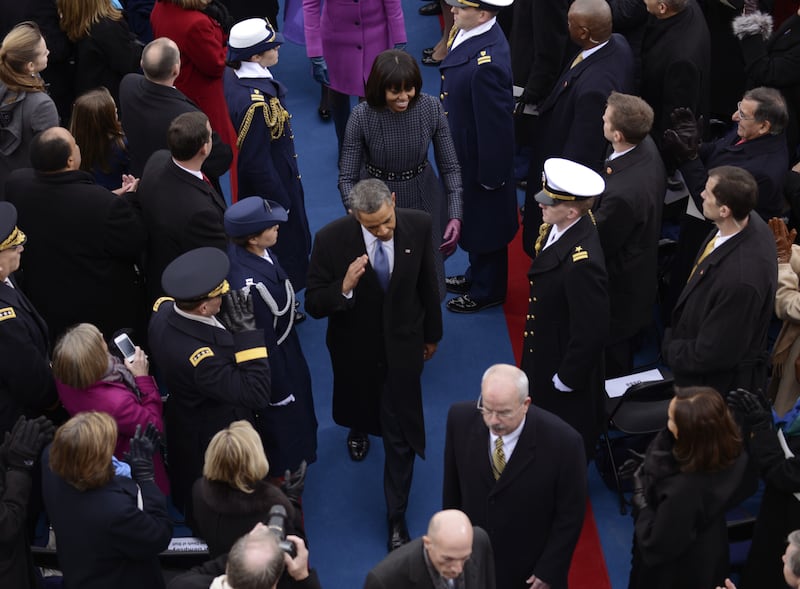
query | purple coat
[350, 50]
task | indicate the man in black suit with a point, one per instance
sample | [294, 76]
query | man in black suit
[567, 323]
[520, 473]
[570, 123]
[180, 207]
[149, 103]
[452, 554]
[372, 274]
[628, 216]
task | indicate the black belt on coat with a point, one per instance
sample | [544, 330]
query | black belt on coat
[407, 175]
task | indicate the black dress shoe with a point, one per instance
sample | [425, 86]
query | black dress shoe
[429, 60]
[457, 284]
[465, 304]
[398, 534]
[431, 9]
[357, 445]
[428, 51]
[324, 114]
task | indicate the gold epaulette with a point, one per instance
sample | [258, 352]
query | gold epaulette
[251, 354]
[275, 117]
[160, 300]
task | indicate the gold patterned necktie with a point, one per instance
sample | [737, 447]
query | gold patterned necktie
[708, 249]
[498, 458]
[577, 60]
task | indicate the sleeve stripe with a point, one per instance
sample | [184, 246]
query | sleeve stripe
[251, 354]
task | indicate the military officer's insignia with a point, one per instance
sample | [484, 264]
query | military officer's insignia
[7, 313]
[160, 300]
[483, 58]
[580, 254]
[200, 355]
[256, 96]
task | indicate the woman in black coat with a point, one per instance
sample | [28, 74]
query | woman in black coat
[691, 474]
[233, 495]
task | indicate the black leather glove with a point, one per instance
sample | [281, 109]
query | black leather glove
[752, 408]
[638, 500]
[629, 467]
[140, 455]
[25, 443]
[681, 141]
[523, 100]
[294, 483]
[236, 313]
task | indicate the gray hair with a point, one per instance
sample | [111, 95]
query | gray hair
[511, 373]
[255, 561]
[368, 196]
[794, 558]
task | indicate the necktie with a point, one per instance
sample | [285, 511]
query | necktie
[452, 36]
[498, 458]
[380, 264]
[577, 60]
[708, 249]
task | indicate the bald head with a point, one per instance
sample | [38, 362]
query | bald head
[255, 560]
[55, 150]
[161, 61]
[449, 542]
[589, 22]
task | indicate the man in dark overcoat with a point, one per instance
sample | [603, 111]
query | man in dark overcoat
[181, 209]
[212, 359]
[384, 321]
[720, 321]
[567, 323]
[149, 103]
[533, 505]
[628, 216]
[477, 97]
[81, 235]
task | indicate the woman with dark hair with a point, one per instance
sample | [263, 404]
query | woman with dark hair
[89, 378]
[691, 475]
[233, 495]
[98, 132]
[25, 107]
[388, 137]
[109, 528]
[105, 48]
[288, 426]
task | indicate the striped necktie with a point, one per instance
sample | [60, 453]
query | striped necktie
[498, 458]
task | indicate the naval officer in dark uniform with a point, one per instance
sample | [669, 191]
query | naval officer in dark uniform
[478, 100]
[568, 310]
[212, 358]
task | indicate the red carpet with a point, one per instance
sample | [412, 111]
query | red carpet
[588, 570]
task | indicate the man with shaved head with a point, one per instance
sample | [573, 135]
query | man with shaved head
[519, 472]
[149, 103]
[570, 122]
[453, 554]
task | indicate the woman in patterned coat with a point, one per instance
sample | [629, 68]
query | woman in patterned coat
[388, 137]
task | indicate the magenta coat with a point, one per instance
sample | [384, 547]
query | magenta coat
[202, 44]
[121, 403]
[349, 34]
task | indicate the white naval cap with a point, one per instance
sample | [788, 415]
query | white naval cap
[564, 181]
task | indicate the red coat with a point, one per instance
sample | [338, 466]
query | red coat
[202, 43]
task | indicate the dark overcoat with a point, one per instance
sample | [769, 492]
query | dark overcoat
[146, 110]
[376, 338]
[567, 327]
[288, 425]
[628, 216]
[540, 489]
[405, 568]
[477, 97]
[26, 383]
[181, 213]
[83, 244]
[721, 319]
[268, 166]
[104, 539]
[214, 377]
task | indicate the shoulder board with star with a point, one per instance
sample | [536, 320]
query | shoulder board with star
[199, 355]
[579, 254]
[484, 57]
[7, 313]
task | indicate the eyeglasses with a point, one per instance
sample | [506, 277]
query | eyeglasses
[504, 414]
[742, 116]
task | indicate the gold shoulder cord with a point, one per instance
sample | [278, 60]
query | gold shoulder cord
[540, 240]
[275, 116]
[591, 216]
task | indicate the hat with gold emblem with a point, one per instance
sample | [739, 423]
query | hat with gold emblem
[196, 275]
[568, 181]
[10, 234]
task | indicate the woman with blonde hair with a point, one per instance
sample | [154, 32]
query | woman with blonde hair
[105, 48]
[109, 528]
[234, 494]
[98, 132]
[89, 378]
[25, 107]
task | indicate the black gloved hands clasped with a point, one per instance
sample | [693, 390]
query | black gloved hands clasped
[140, 456]
[24, 443]
[682, 139]
[294, 483]
[629, 467]
[754, 409]
[236, 313]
